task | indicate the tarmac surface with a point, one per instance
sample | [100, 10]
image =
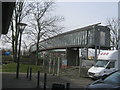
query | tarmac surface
[9, 81]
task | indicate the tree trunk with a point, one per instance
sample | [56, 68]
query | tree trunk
[37, 48]
[37, 54]
[13, 44]
[38, 39]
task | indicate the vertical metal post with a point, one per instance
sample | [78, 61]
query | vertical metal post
[58, 70]
[30, 73]
[95, 58]
[80, 66]
[77, 57]
[45, 79]
[67, 86]
[43, 60]
[38, 79]
[53, 67]
[87, 44]
[18, 59]
[99, 48]
[80, 62]
[76, 61]
[119, 35]
[27, 71]
[20, 28]
[50, 64]
[87, 53]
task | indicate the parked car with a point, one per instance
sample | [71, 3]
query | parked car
[109, 82]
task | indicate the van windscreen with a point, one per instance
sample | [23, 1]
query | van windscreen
[101, 63]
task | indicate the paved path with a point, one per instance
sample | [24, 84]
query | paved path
[74, 82]
[9, 81]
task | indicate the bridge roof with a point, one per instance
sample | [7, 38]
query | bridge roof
[73, 31]
[81, 37]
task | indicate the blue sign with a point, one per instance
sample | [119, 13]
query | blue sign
[7, 53]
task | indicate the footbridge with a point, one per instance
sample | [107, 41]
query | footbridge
[93, 36]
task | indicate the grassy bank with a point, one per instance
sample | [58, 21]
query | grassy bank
[11, 67]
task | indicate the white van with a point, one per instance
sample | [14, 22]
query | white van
[107, 63]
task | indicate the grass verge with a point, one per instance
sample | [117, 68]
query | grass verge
[11, 67]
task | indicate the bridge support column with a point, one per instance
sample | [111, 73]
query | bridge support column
[72, 55]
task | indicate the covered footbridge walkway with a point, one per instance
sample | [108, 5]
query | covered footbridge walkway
[93, 36]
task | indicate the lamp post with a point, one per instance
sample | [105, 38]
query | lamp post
[21, 27]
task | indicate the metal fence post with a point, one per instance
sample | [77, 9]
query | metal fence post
[50, 64]
[38, 78]
[30, 73]
[53, 67]
[58, 68]
[67, 86]
[27, 71]
[45, 79]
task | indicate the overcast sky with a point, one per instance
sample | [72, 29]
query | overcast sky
[79, 14]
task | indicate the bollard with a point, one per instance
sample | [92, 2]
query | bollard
[30, 73]
[38, 78]
[45, 79]
[27, 71]
[67, 86]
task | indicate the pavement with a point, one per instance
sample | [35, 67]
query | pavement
[9, 81]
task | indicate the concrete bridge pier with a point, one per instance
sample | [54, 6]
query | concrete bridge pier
[72, 56]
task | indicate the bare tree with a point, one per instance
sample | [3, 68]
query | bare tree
[113, 25]
[19, 13]
[26, 47]
[42, 23]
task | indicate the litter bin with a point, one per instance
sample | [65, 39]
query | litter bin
[58, 87]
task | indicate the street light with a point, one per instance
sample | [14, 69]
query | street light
[21, 27]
